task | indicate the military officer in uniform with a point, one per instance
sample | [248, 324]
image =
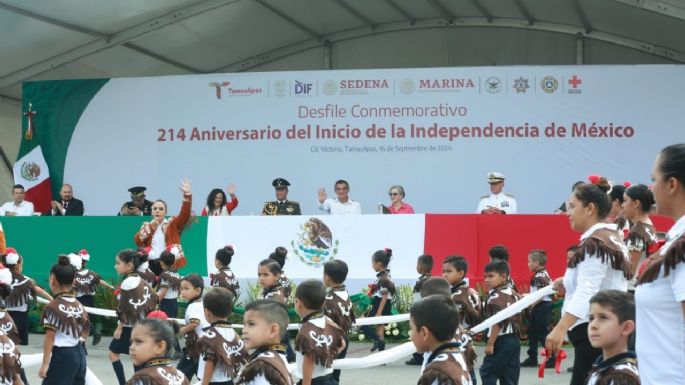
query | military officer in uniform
[497, 202]
[138, 205]
[281, 206]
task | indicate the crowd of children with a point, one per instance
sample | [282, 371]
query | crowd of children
[600, 314]
[443, 310]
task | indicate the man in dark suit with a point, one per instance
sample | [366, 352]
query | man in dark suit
[67, 205]
[281, 206]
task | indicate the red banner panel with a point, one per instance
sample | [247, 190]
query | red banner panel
[473, 235]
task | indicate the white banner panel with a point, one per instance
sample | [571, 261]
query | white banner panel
[352, 239]
[436, 131]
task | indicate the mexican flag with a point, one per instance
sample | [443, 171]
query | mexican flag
[52, 111]
[31, 171]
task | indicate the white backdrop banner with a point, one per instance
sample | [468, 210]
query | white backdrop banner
[436, 131]
[312, 241]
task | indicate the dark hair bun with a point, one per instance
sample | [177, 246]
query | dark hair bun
[389, 252]
[604, 184]
[5, 290]
[63, 260]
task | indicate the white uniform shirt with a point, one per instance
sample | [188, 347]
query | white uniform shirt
[588, 278]
[196, 311]
[158, 244]
[24, 209]
[335, 207]
[501, 201]
[660, 344]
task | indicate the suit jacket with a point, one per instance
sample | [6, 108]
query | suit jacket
[74, 208]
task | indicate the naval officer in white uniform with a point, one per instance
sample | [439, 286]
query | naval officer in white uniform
[497, 202]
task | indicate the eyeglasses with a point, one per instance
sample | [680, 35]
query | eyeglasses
[393, 194]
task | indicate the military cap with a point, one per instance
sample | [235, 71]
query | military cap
[280, 182]
[495, 177]
[137, 191]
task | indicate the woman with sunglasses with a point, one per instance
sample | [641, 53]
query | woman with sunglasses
[397, 206]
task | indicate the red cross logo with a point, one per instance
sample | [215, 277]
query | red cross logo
[575, 81]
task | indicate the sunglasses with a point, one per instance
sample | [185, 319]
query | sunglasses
[393, 194]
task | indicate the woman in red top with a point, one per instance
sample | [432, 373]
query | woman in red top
[160, 232]
[216, 202]
[397, 206]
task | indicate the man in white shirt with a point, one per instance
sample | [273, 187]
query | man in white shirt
[18, 207]
[497, 202]
[342, 205]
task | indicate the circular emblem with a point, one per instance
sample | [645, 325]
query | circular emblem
[329, 87]
[30, 171]
[407, 86]
[314, 245]
[493, 84]
[549, 84]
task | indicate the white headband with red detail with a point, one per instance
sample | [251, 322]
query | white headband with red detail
[75, 260]
[11, 256]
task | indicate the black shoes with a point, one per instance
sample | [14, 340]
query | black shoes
[414, 360]
[528, 363]
[97, 336]
[378, 345]
[550, 363]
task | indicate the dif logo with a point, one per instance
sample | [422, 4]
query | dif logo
[302, 88]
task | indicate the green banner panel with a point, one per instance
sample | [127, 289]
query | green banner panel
[41, 239]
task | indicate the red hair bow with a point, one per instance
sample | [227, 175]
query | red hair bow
[372, 289]
[158, 314]
[561, 355]
[594, 178]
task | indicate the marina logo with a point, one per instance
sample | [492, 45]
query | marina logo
[445, 85]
